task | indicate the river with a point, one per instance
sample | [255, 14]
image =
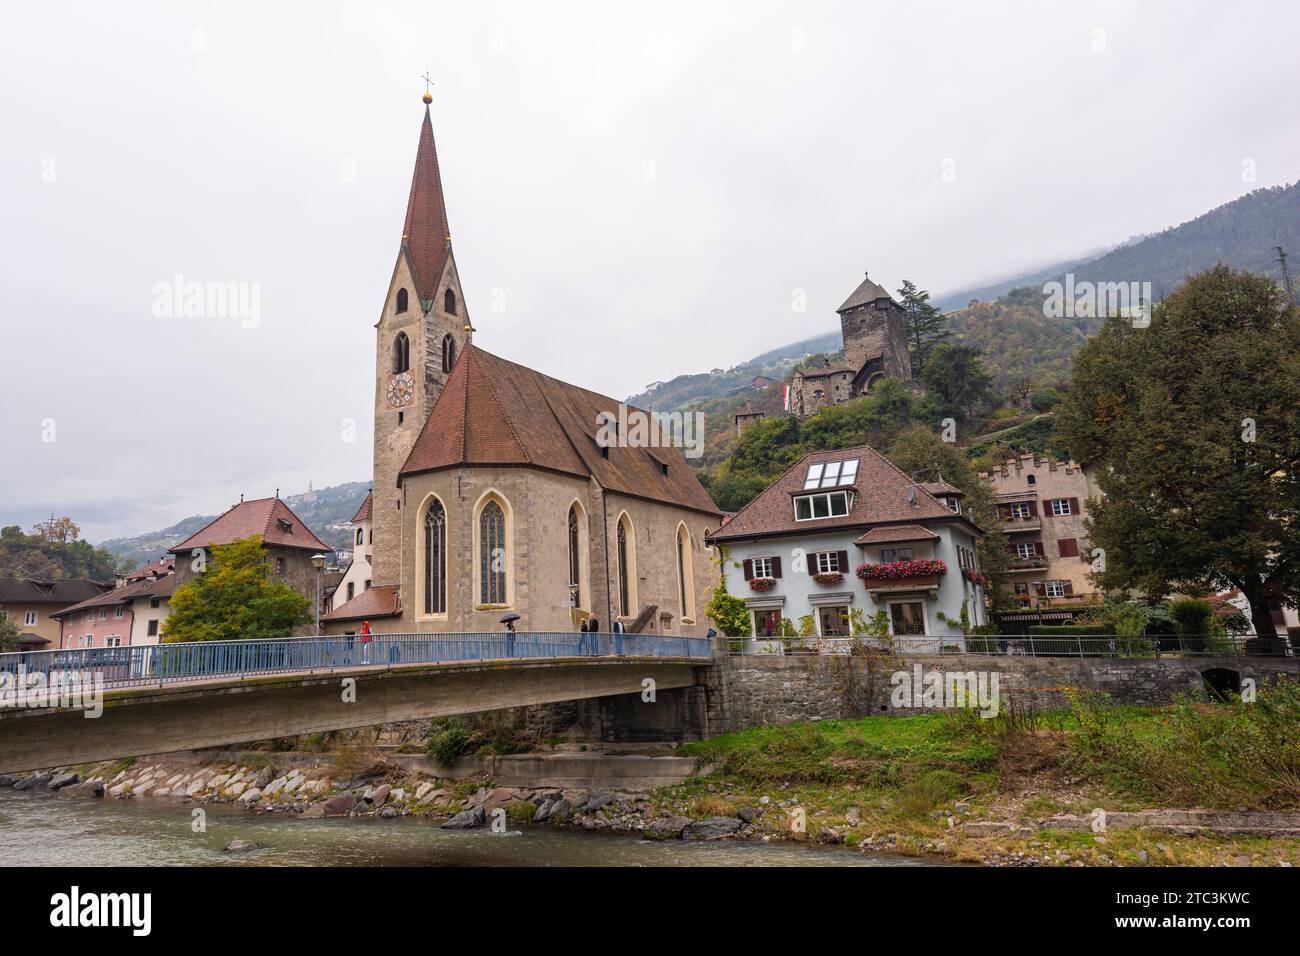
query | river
[38, 829]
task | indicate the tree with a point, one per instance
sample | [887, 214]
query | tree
[235, 599]
[726, 610]
[922, 454]
[10, 636]
[1196, 422]
[58, 530]
[925, 324]
[957, 374]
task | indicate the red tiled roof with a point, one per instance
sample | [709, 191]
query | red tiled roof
[155, 568]
[363, 513]
[37, 591]
[887, 534]
[942, 488]
[383, 601]
[881, 497]
[494, 412]
[262, 516]
[149, 588]
[427, 237]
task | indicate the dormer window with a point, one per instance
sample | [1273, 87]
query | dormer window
[285, 525]
[831, 474]
[401, 300]
[835, 504]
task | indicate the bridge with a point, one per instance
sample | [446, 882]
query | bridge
[68, 707]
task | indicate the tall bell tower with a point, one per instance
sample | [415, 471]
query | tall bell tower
[422, 329]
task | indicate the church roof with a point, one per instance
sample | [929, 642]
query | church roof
[866, 293]
[269, 517]
[382, 601]
[495, 412]
[426, 234]
[363, 513]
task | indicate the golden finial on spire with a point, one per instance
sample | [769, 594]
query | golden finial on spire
[428, 97]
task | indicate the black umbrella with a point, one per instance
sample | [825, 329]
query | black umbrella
[512, 616]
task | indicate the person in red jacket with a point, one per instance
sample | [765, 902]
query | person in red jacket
[365, 642]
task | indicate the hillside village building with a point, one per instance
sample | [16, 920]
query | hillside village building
[1043, 505]
[32, 605]
[492, 492]
[875, 347]
[131, 613]
[796, 550]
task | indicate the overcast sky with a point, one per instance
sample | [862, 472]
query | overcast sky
[639, 188]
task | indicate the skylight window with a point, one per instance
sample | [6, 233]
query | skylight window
[831, 474]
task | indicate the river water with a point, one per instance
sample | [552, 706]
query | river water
[38, 829]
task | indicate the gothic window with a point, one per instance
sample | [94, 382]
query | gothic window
[401, 300]
[401, 353]
[449, 302]
[435, 559]
[626, 568]
[448, 353]
[575, 559]
[492, 554]
[685, 577]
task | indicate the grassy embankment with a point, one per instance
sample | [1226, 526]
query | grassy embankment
[902, 778]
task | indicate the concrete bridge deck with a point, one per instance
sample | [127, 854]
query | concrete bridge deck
[185, 696]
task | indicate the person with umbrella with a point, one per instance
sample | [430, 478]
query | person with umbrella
[509, 621]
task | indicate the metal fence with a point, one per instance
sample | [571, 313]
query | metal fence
[1015, 645]
[162, 664]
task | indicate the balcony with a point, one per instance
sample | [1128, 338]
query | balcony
[1017, 525]
[1024, 565]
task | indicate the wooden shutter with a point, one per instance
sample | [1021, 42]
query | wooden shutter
[843, 558]
[1033, 509]
[1038, 548]
[1069, 547]
[1074, 506]
[1068, 586]
[749, 569]
[1005, 512]
[1039, 588]
[776, 567]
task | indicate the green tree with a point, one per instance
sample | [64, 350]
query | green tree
[235, 599]
[10, 636]
[725, 610]
[1196, 422]
[925, 324]
[922, 454]
[957, 374]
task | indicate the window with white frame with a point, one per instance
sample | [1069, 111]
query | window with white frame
[954, 505]
[762, 567]
[1054, 588]
[88, 640]
[1020, 509]
[1025, 549]
[831, 474]
[835, 504]
[118, 612]
[827, 562]
[1061, 506]
[29, 619]
[113, 641]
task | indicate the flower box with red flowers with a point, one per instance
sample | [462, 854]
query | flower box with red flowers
[975, 577]
[761, 584]
[920, 572]
[829, 578]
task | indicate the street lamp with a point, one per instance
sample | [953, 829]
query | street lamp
[318, 562]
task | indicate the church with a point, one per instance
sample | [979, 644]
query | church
[495, 490]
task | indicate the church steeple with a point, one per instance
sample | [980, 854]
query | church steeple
[426, 234]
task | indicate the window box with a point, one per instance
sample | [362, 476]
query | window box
[761, 584]
[902, 571]
[975, 577]
[829, 578]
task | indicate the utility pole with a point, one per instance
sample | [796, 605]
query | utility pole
[1286, 276]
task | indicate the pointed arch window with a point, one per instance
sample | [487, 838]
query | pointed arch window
[401, 300]
[575, 560]
[449, 302]
[448, 353]
[685, 574]
[401, 353]
[624, 597]
[435, 559]
[492, 554]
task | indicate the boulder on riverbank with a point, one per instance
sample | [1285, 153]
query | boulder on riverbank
[667, 828]
[714, 828]
[467, 820]
[91, 788]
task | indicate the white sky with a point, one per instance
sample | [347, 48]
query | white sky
[792, 146]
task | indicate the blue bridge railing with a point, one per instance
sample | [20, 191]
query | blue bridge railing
[162, 664]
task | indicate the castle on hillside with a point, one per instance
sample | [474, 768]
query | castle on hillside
[875, 347]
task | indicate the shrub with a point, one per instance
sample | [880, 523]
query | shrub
[446, 745]
[1192, 617]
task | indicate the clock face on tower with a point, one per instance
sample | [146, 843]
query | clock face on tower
[401, 390]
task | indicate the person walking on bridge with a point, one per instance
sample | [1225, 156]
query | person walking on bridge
[365, 642]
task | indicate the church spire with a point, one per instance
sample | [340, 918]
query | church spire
[426, 234]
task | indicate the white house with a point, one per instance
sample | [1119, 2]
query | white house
[847, 530]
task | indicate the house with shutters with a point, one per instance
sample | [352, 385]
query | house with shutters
[1043, 506]
[845, 531]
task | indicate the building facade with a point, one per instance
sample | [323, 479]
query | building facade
[1043, 505]
[844, 532]
[32, 605]
[359, 575]
[132, 613]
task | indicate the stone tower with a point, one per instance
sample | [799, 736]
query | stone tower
[423, 328]
[875, 338]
